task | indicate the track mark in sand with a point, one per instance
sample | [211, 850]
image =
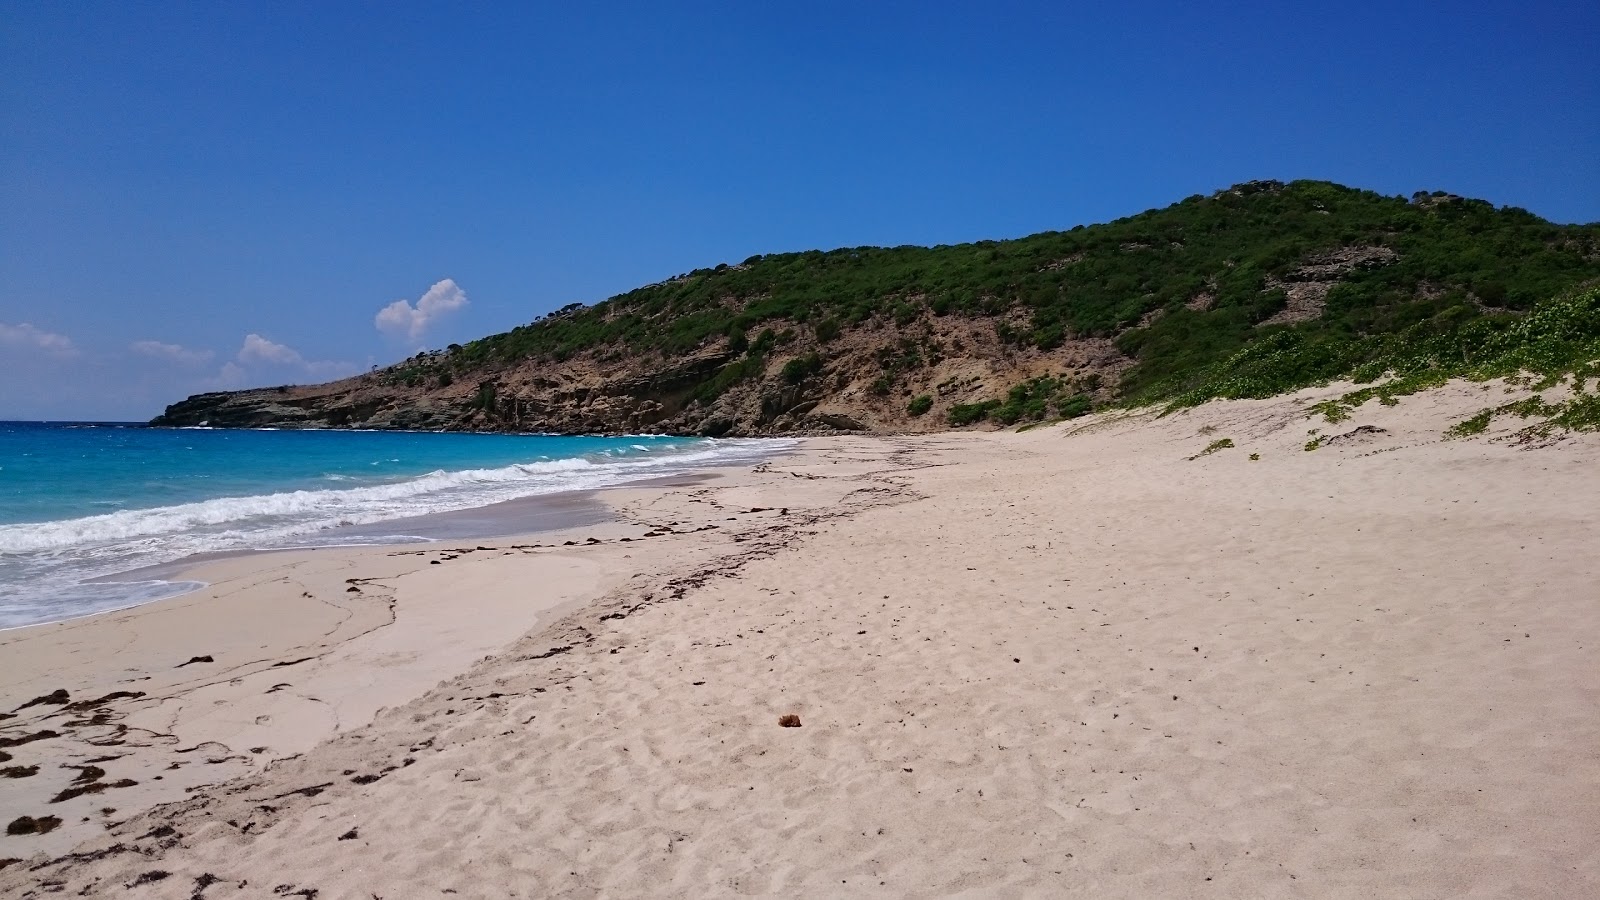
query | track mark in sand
[18, 741]
[553, 651]
[310, 791]
[292, 662]
[57, 697]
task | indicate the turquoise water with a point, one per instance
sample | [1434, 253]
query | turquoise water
[91, 501]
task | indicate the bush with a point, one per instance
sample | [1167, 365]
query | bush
[968, 413]
[920, 405]
[800, 368]
[1074, 406]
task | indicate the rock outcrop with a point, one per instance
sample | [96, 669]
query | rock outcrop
[1308, 285]
[959, 361]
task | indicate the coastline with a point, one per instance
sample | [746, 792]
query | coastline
[1086, 659]
[81, 559]
[359, 626]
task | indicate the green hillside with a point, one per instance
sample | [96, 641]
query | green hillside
[1203, 275]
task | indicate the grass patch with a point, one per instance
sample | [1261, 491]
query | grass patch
[1580, 412]
[1478, 424]
[1214, 446]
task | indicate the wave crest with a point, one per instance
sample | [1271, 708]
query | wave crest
[284, 514]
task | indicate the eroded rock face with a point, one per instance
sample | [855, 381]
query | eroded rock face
[961, 361]
[1307, 286]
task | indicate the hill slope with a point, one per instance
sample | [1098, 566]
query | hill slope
[1315, 278]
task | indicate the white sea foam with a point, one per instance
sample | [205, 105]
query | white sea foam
[303, 511]
[54, 559]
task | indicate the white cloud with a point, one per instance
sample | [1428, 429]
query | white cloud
[401, 319]
[171, 353]
[26, 335]
[258, 349]
[231, 376]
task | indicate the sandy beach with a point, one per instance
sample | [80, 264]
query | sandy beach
[1089, 659]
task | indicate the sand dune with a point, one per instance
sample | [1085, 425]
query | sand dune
[1085, 660]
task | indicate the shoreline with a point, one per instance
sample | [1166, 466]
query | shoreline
[336, 617]
[571, 510]
[517, 516]
[1090, 659]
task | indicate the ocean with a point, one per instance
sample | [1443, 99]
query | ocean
[83, 505]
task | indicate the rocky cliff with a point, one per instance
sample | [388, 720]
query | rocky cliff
[589, 394]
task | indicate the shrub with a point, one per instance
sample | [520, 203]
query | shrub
[968, 413]
[1074, 406]
[800, 368]
[920, 405]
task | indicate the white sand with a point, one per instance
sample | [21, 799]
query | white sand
[1067, 662]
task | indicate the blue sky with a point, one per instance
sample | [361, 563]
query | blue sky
[196, 196]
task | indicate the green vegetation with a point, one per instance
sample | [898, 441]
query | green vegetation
[919, 405]
[1475, 425]
[1558, 339]
[1029, 401]
[1214, 446]
[1555, 337]
[800, 368]
[752, 365]
[1413, 291]
[1579, 412]
[968, 413]
[1073, 406]
[1100, 280]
